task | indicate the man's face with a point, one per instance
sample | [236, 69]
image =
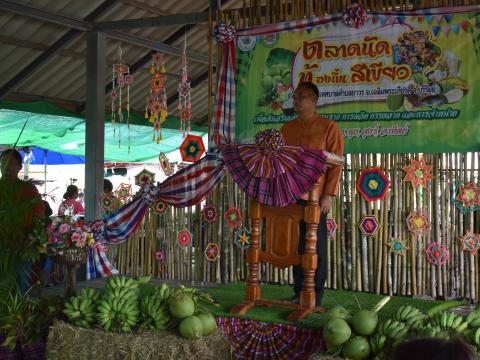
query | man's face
[10, 167]
[304, 100]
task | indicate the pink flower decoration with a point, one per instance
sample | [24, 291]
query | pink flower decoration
[64, 228]
[159, 256]
[184, 238]
[437, 254]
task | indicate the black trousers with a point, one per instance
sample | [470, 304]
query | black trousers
[321, 272]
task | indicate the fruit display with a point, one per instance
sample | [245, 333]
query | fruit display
[362, 335]
[127, 306]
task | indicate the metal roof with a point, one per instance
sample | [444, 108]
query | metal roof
[54, 32]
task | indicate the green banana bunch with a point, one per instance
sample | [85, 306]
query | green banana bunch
[118, 282]
[154, 314]
[431, 330]
[473, 318]
[393, 330]
[405, 313]
[119, 314]
[80, 310]
[449, 321]
[377, 343]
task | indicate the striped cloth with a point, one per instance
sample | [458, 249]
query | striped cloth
[98, 264]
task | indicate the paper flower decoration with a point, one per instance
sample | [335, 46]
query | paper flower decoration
[467, 196]
[233, 217]
[212, 252]
[223, 33]
[417, 222]
[124, 192]
[437, 254]
[192, 148]
[184, 238]
[107, 202]
[418, 173]
[143, 177]
[331, 227]
[397, 246]
[355, 16]
[159, 256]
[165, 164]
[159, 207]
[372, 184]
[368, 225]
[242, 239]
[209, 213]
[470, 242]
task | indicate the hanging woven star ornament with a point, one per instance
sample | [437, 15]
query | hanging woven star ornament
[470, 242]
[242, 238]
[212, 251]
[159, 256]
[437, 254]
[156, 104]
[107, 202]
[418, 173]
[331, 227]
[143, 177]
[233, 217]
[467, 196]
[192, 148]
[124, 192]
[120, 95]
[372, 184]
[368, 225]
[159, 207]
[184, 91]
[355, 16]
[184, 238]
[418, 223]
[209, 213]
[397, 246]
[164, 164]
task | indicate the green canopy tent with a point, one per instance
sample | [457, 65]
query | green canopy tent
[52, 128]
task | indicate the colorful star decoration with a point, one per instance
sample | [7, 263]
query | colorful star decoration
[397, 246]
[165, 164]
[417, 222]
[372, 184]
[418, 173]
[233, 217]
[124, 192]
[192, 148]
[159, 207]
[467, 196]
[212, 252]
[159, 256]
[143, 177]
[209, 213]
[368, 225]
[437, 254]
[107, 202]
[470, 242]
[331, 227]
[242, 239]
[184, 238]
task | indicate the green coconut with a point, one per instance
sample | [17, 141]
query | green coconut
[208, 322]
[191, 328]
[336, 331]
[365, 322]
[339, 312]
[357, 348]
[181, 305]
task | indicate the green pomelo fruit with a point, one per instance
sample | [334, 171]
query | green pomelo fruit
[208, 322]
[336, 331]
[191, 328]
[364, 322]
[181, 305]
[357, 348]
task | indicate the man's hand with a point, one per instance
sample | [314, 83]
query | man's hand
[326, 203]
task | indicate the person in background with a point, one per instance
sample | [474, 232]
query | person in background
[70, 202]
[20, 206]
[115, 202]
[311, 130]
[81, 198]
[434, 349]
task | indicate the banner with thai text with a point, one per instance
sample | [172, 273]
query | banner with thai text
[402, 82]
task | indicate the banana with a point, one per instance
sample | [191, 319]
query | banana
[462, 327]
[475, 322]
[443, 319]
[477, 337]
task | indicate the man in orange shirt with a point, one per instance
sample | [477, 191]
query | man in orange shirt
[311, 130]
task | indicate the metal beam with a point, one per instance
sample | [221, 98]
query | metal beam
[43, 15]
[52, 50]
[94, 124]
[27, 44]
[164, 20]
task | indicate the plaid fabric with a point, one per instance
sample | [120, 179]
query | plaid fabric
[98, 265]
[192, 184]
[261, 341]
[274, 180]
[223, 126]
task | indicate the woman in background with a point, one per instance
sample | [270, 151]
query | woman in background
[71, 202]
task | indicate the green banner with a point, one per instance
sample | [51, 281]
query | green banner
[396, 84]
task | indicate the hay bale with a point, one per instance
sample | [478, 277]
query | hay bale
[70, 342]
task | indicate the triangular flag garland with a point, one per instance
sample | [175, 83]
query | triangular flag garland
[435, 30]
[184, 90]
[455, 28]
[445, 29]
[156, 106]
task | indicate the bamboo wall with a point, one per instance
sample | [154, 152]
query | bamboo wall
[355, 261]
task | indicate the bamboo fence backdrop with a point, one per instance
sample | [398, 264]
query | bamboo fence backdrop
[355, 262]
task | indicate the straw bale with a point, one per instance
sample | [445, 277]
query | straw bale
[66, 342]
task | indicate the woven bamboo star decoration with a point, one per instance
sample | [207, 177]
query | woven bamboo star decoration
[397, 246]
[417, 222]
[467, 196]
[418, 173]
[437, 254]
[470, 242]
